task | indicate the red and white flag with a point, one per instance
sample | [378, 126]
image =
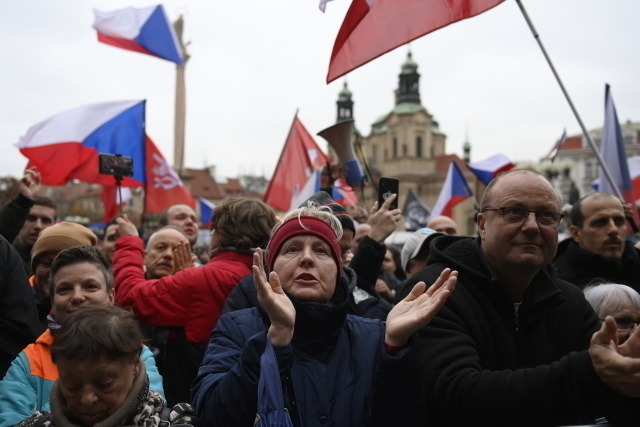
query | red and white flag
[164, 186]
[297, 175]
[372, 28]
[299, 160]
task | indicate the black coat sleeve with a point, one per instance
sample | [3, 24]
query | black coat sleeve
[367, 262]
[18, 316]
[13, 215]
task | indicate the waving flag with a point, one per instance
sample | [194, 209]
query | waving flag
[66, 146]
[145, 30]
[454, 191]
[613, 152]
[489, 168]
[297, 175]
[556, 149]
[164, 186]
[372, 28]
[416, 212]
[206, 211]
[634, 173]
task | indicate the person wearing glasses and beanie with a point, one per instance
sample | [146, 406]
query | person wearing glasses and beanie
[514, 344]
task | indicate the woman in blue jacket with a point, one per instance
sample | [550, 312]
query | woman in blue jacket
[335, 369]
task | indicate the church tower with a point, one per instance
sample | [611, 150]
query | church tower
[409, 83]
[345, 104]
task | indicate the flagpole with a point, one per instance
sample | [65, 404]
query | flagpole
[595, 150]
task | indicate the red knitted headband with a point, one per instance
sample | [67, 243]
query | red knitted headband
[294, 227]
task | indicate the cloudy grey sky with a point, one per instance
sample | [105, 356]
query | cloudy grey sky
[255, 62]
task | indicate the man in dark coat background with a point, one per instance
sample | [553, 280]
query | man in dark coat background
[597, 249]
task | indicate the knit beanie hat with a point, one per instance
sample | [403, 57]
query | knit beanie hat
[322, 198]
[304, 225]
[62, 235]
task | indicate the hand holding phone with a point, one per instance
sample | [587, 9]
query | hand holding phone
[386, 187]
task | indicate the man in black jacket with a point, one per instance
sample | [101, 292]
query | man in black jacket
[513, 344]
[597, 250]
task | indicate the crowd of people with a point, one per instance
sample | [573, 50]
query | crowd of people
[508, 327]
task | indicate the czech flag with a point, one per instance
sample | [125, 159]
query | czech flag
[489, 168]
[454, 191]
[66, 146]
[613, 153]
[206, 211]
[145, 30]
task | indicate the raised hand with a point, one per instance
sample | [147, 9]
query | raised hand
[29, 184]
[617, 366]
[182, 257]
[383, 221]
[125, 227]
[277, 304]
[418, 308]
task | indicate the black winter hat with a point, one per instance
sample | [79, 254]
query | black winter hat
[322, 198]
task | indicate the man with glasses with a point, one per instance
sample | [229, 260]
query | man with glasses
[513, 344]
[597, 249]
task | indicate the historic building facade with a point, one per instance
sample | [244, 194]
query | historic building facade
[576, 167]
[407, 143]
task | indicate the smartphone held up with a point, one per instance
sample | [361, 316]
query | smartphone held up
[386, 187]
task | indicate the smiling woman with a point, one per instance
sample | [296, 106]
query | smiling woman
[336, 369]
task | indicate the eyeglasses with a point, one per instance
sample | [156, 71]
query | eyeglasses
[626, 324]
[545, 219]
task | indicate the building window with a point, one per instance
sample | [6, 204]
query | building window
[374, 154]
[589, 171]
[404, 150]
[418, 146]
[395, 147]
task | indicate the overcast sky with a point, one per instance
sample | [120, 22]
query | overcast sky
[254, 63]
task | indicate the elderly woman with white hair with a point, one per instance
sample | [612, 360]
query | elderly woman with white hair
[335, 369]
[618, 301]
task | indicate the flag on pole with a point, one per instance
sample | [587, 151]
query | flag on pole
[634, 173]
[489, 168]
[416, 212]
[613, 152]
[298, 172]
[146, 30]
[454, 191]
[206, 211]
[164, 187]
[66, 146]
[372, 28]
[558, 146]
